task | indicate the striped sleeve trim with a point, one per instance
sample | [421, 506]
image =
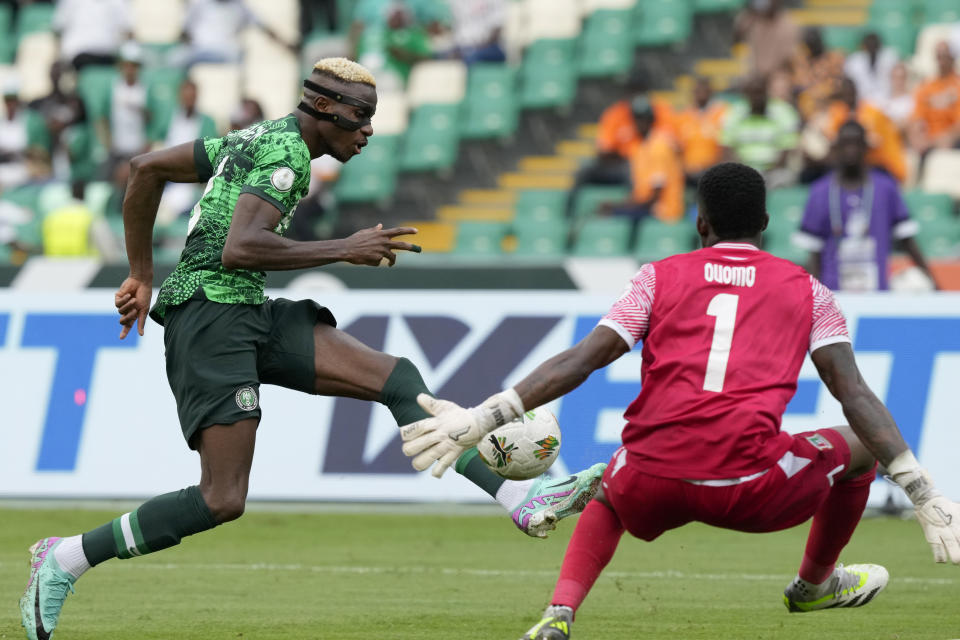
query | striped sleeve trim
[829, 325]
[630, 314]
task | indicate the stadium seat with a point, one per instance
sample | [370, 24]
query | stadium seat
[657, 239]
[8, 42]
[540, 240]
[606, 44]
[218, 90]
[480, 239]
[941, 11]
[590, 197]
[96, 196]
[432, 140]
[924, 61]
[589, 6]
[552, 19]
[36, 53]
[391, 116]
[283, 16]
[662, 22]
[785, 208]
[716, 6]
[603, 237]
[540, 206]
[929, 208]
[940, 238]
[490, 109]
[270, 74]
[53, 195]
[372, 175]
[163, 88]
[847, 39]
[941, 171]
[548, 74]
[95, 86]
[893, 22]
[157, 22]
[437, 82]
[35, 17]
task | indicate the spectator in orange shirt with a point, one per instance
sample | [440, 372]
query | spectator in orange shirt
[655, 170]
[698, 131]
[936, 115]
[885, 148]
[616, 135]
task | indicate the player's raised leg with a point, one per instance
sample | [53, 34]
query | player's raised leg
[821, 583]
[347, 367]
[226, 453]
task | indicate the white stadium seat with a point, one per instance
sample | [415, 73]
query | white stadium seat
[218, 90]
[283, 16]
[941, 171]
[35, 55]
[924, 61]
[514, 36]
[391, 116]
[589, 6]
[157, 22]
[271, 74]
[558, 19]
[437, 82]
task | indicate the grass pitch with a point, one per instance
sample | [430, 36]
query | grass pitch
[414, 575]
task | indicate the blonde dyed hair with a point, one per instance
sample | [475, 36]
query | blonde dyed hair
[345, 70]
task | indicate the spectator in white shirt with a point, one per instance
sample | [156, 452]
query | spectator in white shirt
[870, 68]
[900, 103]
[91, 31]
[128, 107]
[13, 139]
[213, 29]
[476, 29]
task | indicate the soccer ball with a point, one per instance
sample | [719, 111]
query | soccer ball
[524, 448]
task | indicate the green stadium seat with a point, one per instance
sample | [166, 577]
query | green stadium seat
[372, 175]
[606, 44]
[480, 239]
[846, 39]
[894, 23]
[163, 87]
[929, 208]
[940, 238]
[548, 74]
[432, 140]
[34, 17]
[490, 109]
[538, 239]
[716, 6]
[96, 195]
[590, 197]
[26, 196]
[603, 237]
[941, 11]
[785, 207]
[95, 87]
[540, 206]
[657, 239]
[38, 134]
[662, 22]
[8, 43]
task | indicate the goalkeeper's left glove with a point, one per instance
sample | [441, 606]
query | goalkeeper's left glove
[453, 429]
[938, 516]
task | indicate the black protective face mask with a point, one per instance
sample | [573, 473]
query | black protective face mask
[340, 121]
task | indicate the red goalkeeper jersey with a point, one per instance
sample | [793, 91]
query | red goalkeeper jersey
[725, 330]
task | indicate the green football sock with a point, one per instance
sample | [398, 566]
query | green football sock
[399, 394]
[158, 523]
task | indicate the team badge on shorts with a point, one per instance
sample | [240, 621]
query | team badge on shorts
[282, 179]
[819, 442]
[247, 398]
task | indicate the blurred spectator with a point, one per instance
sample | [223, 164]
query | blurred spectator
[900, 103]
[698, 131]
[186, 123]
[213, 29]
[817, 74]
[73, 230]
[616, 134]
[761, 133]
[247, 113]
[476, 29]
[883, 139]
[936, 115]
[13, 138]
[870, 69]
[128, 107]
[853, 217]
[392, 50]
[91, 31]
[318, 15]
[655, 171]
[770, 33]
[67, 136]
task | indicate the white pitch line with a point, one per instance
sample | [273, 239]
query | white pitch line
[480, 573]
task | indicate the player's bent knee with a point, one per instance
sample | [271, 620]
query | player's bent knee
[225, 507]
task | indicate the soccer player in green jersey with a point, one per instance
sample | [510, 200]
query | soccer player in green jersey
[223, 337]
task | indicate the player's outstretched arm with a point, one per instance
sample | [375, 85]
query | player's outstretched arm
[149, 173]
[871, 421]
[454, 429]
[252, 242]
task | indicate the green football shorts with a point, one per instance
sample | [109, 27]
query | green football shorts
[218, 354]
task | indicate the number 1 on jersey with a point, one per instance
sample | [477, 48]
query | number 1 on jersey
[723, 307]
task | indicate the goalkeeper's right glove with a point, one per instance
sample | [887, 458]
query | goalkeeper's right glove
[938, 516]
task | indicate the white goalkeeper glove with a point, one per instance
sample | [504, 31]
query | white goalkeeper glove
[938, 516]
[453, 429]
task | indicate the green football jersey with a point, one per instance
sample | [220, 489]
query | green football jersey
[269, 160]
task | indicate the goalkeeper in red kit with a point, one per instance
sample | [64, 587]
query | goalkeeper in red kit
[725, 330]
